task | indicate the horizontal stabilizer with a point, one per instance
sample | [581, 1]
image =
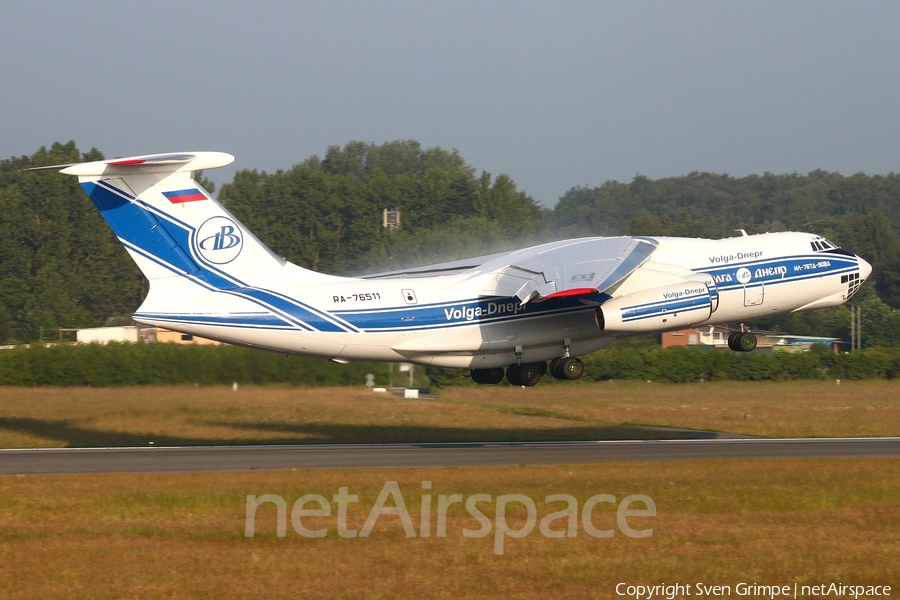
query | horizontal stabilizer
[150, 163]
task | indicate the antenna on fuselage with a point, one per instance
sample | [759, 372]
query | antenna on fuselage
[743, 232]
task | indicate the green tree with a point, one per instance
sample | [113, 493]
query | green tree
[326, 214]
[60, 264]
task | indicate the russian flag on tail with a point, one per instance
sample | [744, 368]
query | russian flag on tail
[181, 196]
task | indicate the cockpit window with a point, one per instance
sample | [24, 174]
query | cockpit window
[821, 245]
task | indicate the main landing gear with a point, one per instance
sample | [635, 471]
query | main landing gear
[742, 341]
[528, 374]
[487, 375]
[566, 368]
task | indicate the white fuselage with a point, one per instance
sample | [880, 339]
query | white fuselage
[451, 321]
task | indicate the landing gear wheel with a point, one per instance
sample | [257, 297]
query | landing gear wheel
[488, 376]
[554, 368]
[745, 342]
[512, 375]
[527, 374]
[732, 344]
[531, 373]
[570, 368]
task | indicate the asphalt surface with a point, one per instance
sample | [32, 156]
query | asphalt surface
[383, 456]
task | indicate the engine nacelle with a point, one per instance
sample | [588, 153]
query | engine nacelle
[670, 306]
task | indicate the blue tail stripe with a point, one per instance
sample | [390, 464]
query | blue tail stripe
[142, 230]
[137, 226]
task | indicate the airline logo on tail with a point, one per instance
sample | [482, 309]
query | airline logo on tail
[218, 240]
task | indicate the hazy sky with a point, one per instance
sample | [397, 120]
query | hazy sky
[555, 94]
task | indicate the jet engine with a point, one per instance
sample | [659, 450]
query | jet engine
[670, 306]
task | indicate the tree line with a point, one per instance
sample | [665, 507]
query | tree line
[61, 266]
[119, 364]
[326, 213]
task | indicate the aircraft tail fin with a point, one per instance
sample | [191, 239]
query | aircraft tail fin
[204, 266]
[169, 224]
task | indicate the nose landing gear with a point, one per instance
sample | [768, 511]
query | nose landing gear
[742, 341]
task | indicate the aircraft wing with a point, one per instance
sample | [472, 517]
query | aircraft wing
[573, 267]
[570, 268]
[445, 268]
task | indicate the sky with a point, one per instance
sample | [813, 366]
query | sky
[554, 94]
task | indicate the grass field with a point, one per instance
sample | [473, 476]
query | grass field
[719, 522]
[174, 415]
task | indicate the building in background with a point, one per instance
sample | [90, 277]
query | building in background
[167, 336]
[125, 333]
[137, 333]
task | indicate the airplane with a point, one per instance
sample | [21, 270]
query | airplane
[501, 315]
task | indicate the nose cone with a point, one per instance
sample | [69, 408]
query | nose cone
[865, 269]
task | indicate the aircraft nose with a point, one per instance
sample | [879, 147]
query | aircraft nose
[865, 269]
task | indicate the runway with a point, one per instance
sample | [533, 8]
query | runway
[384, 456]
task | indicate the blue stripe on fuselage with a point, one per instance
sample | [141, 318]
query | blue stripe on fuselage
[781, 270]
[462, 312]
[260, 321]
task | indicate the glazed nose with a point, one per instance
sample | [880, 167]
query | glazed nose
[865, 269]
